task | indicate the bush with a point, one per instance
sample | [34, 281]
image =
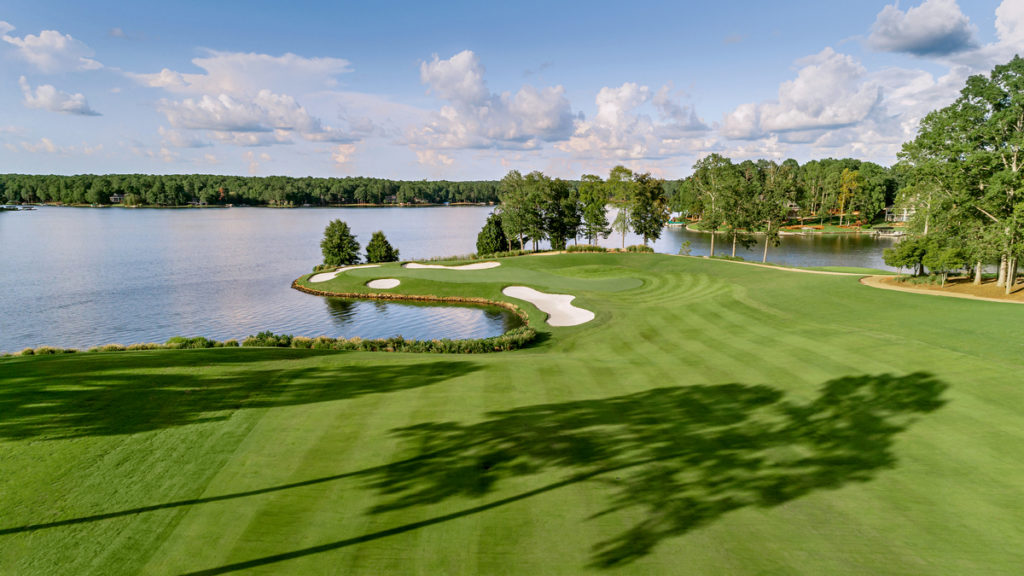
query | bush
[145, 346]
[511, 340]
[639, 248]
[491, 238]
[27, 352]
[180, 342]
[268, 339]
[378, 249]
[585, 248]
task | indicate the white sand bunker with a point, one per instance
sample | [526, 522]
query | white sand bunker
[474, 266]
[325, 276]
[383, 283]
[558, 307]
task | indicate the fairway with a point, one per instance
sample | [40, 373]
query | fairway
[712, 418]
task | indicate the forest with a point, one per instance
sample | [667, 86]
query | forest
[206, 189]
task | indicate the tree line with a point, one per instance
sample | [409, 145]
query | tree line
[206, 189]
[537, 207]
[964, 179]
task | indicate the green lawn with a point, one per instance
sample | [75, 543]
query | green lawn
[714, 418]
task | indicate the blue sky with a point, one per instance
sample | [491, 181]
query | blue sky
[468, 90]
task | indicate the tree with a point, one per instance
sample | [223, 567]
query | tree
[339, 246]
[713, 176]
[561, 212]
[491, 238]
[378, 249]
[971, 154]
[850, 184]
[594, 199]
[772, 204]
[908, 254]
[648, 211]
[514, 207]
[620, 188]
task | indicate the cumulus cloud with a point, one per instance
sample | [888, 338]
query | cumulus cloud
[829, 91]
[179, 139]
[935, 28]
[46, 146]
[255, 161]
[342, 153]
[51, 52]
[46, 97]
[477, 118]
[1010, 22]
[237, 118]
[621, 130]
[241, 73]
[433, 158]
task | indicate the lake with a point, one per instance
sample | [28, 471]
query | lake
[80, 277]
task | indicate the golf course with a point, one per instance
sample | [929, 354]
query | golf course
[701, 417]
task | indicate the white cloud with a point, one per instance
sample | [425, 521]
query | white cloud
[46, 97]
[240, 73]
[51, 51]
[46, 146]
[1010, 22]
[342, 153]
[477, 118]
[433, 158]
[179, 139]
[830, 90]
[255, 161]
[236, 117]
[935, 28]
[619, 130]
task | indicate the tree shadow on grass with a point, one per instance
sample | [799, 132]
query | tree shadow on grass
[677, 458]
[681, 456]
[128, 393]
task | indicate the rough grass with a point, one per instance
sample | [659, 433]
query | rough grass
[713, 418]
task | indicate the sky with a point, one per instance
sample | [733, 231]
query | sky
[471, 90]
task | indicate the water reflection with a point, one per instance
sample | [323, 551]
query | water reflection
[416, 320]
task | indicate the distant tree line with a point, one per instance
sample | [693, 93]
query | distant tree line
[185, 189]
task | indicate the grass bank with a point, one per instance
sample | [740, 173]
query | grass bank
[712, 418]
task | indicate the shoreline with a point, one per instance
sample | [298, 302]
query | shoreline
[811, 232]
[882, 283]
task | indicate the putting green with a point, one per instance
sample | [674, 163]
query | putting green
[713, 418]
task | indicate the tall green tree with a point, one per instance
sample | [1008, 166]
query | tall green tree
[648, 211]
[515, 207]
[339, 246]
[594, 199]
[621, 189]
[713, 177]
[562, 214]
[971, 153]
[378, 249]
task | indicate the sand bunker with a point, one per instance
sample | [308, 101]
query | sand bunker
[558, 307]
[474, 266]
[383, 283]
[325, 276]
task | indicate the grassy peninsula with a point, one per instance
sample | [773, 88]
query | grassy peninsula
[712, 418]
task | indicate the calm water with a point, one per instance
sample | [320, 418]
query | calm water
[79, 277]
